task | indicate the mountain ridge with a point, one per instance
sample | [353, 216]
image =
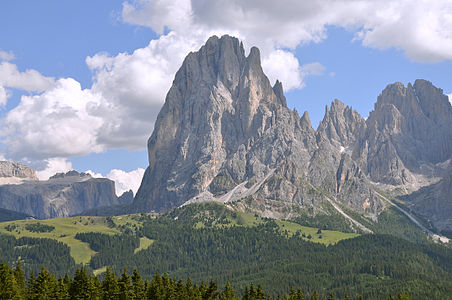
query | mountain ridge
[225, 134]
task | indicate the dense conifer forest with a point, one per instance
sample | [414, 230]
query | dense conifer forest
[205, 242]
[14, 285]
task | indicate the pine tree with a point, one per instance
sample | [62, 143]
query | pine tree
[246, 294]
[212, 291]
[43, 286]
[82, 286]
[8, 285]
[180, 291]
[300, 295]
[403, 296]
[315, 295]
[110, 288]
[138, 288]
[125, 288]
[19, 275]
[227, 293]
[260, 292]
[62, 290]
[155, 290]
[252, 291]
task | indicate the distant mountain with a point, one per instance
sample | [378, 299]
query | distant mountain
[225, 134]
[64, 194]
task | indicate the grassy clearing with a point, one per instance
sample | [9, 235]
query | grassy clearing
[144, 244]
[327, 237]
[65, 231]
[312, 234]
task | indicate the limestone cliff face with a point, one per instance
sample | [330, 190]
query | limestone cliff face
[15, 173]
[62, 195]
[225, 134]
[410, 127]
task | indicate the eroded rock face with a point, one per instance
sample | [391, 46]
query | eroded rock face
[15, 173]
[409, 127]
[224, 133]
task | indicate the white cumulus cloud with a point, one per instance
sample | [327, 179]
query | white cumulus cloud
[124, 181]
[134, 88]
[6, 56]
[57, 123]
[4, 95]
[450, 98]
[29, 80]
[53, 166]
[290, 75]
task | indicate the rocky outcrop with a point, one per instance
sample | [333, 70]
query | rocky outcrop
[64, 194]
[433, 203]
[409, 129]
[225, 134]
[15, 173]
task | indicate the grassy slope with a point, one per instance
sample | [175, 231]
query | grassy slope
[65, 231]
[326, 237]
[144, 244]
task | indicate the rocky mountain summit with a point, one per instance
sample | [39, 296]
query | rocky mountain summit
[225, 134]
[64, 194]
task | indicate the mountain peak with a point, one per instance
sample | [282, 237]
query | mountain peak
[219, 100]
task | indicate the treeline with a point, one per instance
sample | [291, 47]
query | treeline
[37, 252]
[45, 285]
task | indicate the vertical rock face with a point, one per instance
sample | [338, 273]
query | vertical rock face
[219, 100]
[64, 194]
[409, 127]
[224, 133]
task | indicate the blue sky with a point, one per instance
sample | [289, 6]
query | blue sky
[98, 71]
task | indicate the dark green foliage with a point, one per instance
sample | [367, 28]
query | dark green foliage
[34, 253]
[9, 215]
[118, 248]
[332, 221]
[85, 286]
[371, 265]
[10, 227]
[38, 227]
[9, 288]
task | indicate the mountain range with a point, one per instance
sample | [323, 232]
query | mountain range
[64, 194]
[226, 134]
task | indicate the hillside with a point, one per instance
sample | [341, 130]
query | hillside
[210, 240]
